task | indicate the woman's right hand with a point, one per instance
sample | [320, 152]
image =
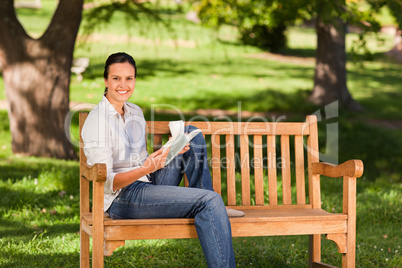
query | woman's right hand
[156, 160]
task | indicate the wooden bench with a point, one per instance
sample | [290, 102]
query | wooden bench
[266, 213]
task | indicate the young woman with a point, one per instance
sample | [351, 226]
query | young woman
[140, 186]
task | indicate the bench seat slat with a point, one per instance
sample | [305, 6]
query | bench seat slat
[261, 214]
[239, 229]
[288, 227]
[257, 222]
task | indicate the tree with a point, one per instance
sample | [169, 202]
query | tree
[395, 8]
[36, 75]
[330, 83]
[330, 76]
[261, 23]
[36, 72]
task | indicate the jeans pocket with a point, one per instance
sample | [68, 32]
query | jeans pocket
[114, 216]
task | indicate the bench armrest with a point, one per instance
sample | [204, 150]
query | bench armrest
[350, 168]
[95, 173]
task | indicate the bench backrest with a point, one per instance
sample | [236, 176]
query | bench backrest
[262, 149]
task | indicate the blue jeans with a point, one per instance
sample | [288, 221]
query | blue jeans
[164, 199]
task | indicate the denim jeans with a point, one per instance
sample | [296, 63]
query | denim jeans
[164, 199]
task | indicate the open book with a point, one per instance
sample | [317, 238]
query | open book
[177, 143]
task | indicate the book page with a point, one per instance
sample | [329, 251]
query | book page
[177, 143]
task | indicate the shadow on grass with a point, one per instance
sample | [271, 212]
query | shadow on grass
[263, 101]
[147, 68]
[271, 99]
[377, 98]
[17, 230]
[249, 252]
[160, 253]
[35, 197]
[298, 52]
[66, 172]
[379, 148]
[36, 259]
[382, 105]
[247, 67]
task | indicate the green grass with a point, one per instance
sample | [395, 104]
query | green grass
[39, 204]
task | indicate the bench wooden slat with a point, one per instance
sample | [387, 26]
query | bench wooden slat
[230, 170]
[245, 169]
[293, 206]
[239, 229]
[84, 199]
[253, 214]
[258, 170]
[285, 161]
[300, 177]
[98, 227]
[349, 208]
[272, 183]
[216, 163]
[157, 142]
[314, 192]
[235, 128]
[288, 227]
[313, 184]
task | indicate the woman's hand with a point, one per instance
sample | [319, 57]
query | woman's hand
[156, 160]
[185, 149]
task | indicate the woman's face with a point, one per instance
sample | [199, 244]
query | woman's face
[120, 83]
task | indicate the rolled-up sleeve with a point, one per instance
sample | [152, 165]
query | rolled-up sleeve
[95, 134]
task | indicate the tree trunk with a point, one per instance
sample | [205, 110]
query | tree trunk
[36, 75]
[330, 70]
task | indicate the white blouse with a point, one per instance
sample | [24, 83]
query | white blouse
[118, 143]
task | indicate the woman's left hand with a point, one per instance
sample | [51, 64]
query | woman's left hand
[185, 149]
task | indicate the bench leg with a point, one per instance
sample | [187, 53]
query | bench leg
[97, 250]
[349, 207]
[314, 249]
[84, 249]
[348, 258]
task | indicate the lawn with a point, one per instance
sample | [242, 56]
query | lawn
[206, 71]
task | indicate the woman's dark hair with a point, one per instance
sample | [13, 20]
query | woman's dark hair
[119, 57]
